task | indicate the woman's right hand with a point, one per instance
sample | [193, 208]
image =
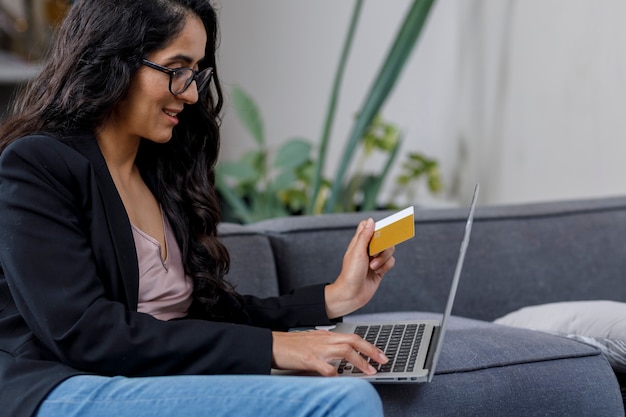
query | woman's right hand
[314, 350]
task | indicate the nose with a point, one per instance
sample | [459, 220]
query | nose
[190, 95]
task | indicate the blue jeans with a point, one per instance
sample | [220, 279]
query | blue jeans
[197, 396]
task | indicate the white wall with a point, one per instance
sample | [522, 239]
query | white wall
[524, 96]
[543, 93]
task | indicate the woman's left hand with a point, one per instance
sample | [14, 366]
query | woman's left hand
[360, 275]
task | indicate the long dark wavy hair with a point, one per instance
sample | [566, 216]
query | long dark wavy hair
[98, 49]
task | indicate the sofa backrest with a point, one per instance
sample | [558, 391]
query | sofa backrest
[252, 266]
[519, 255]
[547, 252]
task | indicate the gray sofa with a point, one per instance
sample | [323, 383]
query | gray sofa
[519, 255]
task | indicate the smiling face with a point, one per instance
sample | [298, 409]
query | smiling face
[149, 110]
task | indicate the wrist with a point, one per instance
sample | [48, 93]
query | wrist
[337, 304]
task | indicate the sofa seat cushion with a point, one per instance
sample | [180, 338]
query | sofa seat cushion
[490, 369]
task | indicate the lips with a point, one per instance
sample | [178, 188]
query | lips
[172, 115]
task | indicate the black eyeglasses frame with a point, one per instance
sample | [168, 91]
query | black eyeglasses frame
[201, 78]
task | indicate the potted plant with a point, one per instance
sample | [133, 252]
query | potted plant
[261, 185]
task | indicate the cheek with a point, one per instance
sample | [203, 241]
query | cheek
[136, 115]
[143, 103]
[149, 85]
[148, 94]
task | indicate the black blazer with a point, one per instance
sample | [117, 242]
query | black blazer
[69, 286]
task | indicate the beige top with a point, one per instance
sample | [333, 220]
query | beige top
[164, 289]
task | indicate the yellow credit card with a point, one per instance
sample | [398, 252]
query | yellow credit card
[392, 230]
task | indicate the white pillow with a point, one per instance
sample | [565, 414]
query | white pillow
[598, 323]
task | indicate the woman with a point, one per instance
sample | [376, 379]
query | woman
[112, 297]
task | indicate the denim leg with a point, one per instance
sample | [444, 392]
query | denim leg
[197, 396]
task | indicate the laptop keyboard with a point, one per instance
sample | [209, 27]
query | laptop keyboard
[400, 342]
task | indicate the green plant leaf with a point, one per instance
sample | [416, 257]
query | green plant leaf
[249, 114]
[284, 181]
[255, 161]
[267, 205]
[370, 188]
[239, 209]
[293, 154]
[350, 194]
[306, 171]
[240, 172]
[296, 200]
[374, 185]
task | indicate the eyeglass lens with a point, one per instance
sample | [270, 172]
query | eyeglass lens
[182, 78]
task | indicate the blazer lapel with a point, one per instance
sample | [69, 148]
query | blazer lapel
[118, 223]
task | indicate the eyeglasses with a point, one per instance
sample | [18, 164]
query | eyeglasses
[181, 78]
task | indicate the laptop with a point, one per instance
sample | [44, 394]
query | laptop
[413, 347]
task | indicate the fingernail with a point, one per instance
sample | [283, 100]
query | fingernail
[371, 370]
[383, 357]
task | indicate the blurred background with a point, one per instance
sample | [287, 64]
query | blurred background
[26, 29]
[523, 96]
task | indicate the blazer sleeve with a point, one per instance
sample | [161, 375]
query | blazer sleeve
[48, 262]
[302, 307]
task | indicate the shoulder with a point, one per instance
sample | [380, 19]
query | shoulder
[44, 152]
[45, 159]
[37, 146]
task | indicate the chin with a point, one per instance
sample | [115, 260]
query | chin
[159, 138]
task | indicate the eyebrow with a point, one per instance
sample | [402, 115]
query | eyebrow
[185, 58]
